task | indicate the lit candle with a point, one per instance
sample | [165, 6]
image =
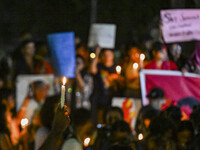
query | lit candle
[24, 123]
[86, 141]
[92, 55]
[135, 66]
[63, 92]
[118, 69]
[142, 57]
[140, 136]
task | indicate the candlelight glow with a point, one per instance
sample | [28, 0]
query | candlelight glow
[24, 122]
[118, 69]
[92, 55]
[140, 136]
[64, 81]
[135, 65]
[142, 56]
[86, 141]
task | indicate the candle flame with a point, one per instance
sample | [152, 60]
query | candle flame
[24, 122]
[142, 56]
[92, 55]
[118, 69]
[86, 141]
[135, 65]
[140, 136]
[64, 80]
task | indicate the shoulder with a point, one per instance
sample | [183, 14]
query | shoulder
[72, 144]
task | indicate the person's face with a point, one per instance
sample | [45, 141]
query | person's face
[134, 54]
[107, 56]
[112, 117]
[157, 103]
[41, 92]
[29, 49]
[176, 51]
[80, 63]
[160, 55]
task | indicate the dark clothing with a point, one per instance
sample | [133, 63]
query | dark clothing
[146, 112]
[103, 88]
[22, 67]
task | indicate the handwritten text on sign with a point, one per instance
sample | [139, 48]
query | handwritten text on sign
[180, 25]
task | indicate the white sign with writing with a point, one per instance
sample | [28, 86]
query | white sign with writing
[102, 35]
[180, 25]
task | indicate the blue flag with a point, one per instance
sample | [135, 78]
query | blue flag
[63, 52]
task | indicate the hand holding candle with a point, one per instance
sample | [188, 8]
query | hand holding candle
[63, 92]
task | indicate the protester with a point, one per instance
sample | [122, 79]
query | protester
[193, 65]
[175, 54]
[132, 74]
[47, 114]
[160, 58]
[34, 104]
[81, 126]
[7, 142]
[150, 111]
[25, 62]
[105, 78]
[84, 84]
[60, 123]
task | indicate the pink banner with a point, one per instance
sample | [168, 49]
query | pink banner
[174, 84]
[180, 25]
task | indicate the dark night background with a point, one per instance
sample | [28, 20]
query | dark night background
[134, 18]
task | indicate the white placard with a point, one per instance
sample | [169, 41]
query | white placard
[22, 86]
[180, 25]
[102, 35]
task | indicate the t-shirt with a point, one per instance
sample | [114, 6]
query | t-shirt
[41, 135]
[72, 144]
[166, 65]
[31, 109]
[102, 85]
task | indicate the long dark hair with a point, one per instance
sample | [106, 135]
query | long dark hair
[3, 123]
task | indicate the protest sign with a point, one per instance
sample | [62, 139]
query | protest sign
[130, 108]
[102, 35]
[63, 52]
[23, 82]
[180, 25]
[175, 85]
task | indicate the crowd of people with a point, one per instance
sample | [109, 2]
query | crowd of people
[89, 121]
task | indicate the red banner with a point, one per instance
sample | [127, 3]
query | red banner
[174, 83]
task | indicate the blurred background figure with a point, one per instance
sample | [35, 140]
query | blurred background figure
[105, 76]
[84, 84]
[193, 64]
[175, 54]
[147, 113]
[46, 115]
[185, 135]
[132, 73]
[25, 62]
[160, 58]
[81, 128]
[113, 115]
